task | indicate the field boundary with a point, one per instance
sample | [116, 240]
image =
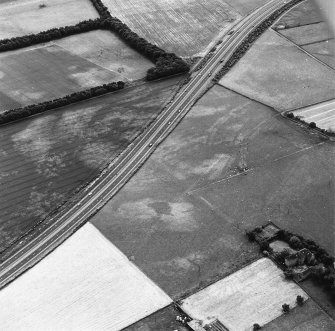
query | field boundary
[166, 64]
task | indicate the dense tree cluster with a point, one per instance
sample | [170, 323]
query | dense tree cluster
[18, 113]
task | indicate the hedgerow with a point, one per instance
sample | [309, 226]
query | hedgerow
[19, 113]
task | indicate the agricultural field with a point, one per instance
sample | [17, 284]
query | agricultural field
[85, 284]
[322, 114]
[25, 17]
[303, 14]
[309, 317]
[305, 27]
[182, 27]
[183, 216]
[106, 50]
[254, 294]
[43, 159]
[301, 80]
[245, 7]
[45, 73]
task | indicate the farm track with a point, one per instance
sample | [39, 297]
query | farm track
[127, 164]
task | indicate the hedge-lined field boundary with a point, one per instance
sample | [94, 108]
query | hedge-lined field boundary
[19, 113]
[166, 64]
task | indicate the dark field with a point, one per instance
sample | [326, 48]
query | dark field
[44, 73]
[162, 320]
[183, 215]
[309, 317]
[45, 158]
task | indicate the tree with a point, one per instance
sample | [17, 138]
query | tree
[312, 125]
[295, 242]
[256, 327]
[300, 300]
[250, 235]
[286, 308]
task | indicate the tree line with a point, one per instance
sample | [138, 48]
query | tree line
[19, 113]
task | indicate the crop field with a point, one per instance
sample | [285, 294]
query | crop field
[85, 284]
[108, 51]
[245, 7]
[305, 27]
[254, 294]
[303, 14]
[309, 317]
[43, 159]
[308, 34]
[300, 81]
[24, 17]
[322, 114]
[44, 73]
[182, 27]
[183, 216]
[323, 50]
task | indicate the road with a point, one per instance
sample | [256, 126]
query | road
[322, 114]
[119, 172]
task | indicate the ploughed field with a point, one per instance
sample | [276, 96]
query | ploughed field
[183, 27]
[19, 18]
[43, 159]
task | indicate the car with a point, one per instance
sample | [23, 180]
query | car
[210, 74]
[230, 32]
[179, 111]
[150, 145]
[221, 60]
[169, 123]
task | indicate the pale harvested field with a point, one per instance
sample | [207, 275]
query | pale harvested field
[39, 74]
[24, 17]
[254, 294]
[43, 159]
[322, 114]
[309, 317]
[275, 72]
[108, 51]
[85, 284]
[183, 27]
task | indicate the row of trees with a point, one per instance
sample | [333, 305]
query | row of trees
[19, 113]
[49, 35]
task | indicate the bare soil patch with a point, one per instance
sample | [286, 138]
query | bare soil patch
[182, 27]
[24, 17]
